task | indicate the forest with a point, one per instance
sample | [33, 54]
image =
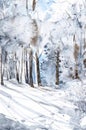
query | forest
[43, 52]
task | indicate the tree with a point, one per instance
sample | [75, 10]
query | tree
[38, 70]
[31, 66]
[16, 67]
[76, 55]
[21, 66]
[1, 71]
[57, 67]
[34, 5]
[28, 66]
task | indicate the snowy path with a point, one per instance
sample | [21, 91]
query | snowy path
[43, 108]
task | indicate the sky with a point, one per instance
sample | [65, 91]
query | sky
[54, 9]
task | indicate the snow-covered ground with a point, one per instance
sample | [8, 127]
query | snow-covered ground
[53, 25]
[41, 108]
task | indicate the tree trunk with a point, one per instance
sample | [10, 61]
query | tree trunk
[33, 5]
[57, 69]
[26, 68]
[76, 76]
[76, 55]
[38, 70]
[30, 67]
[20, 67]
[26, 76]
[1, 73]
[17, 72]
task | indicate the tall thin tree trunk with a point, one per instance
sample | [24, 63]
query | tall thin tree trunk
[8, 71]
[1, 72]
[76, 55]
[16, 68]
[38, 70]
[26, 68]
[33, 5]
[20, 67]
[76, 76]
[17, 72]
[57, 68]
[27, 77]
[30, 67]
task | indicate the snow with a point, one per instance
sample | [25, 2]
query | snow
[83, 122]
[49, 107]
[8, 124]
[40, 107]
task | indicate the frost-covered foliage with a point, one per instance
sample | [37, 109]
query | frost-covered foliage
[51, 24]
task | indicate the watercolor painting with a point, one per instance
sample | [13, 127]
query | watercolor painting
[42, 64]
